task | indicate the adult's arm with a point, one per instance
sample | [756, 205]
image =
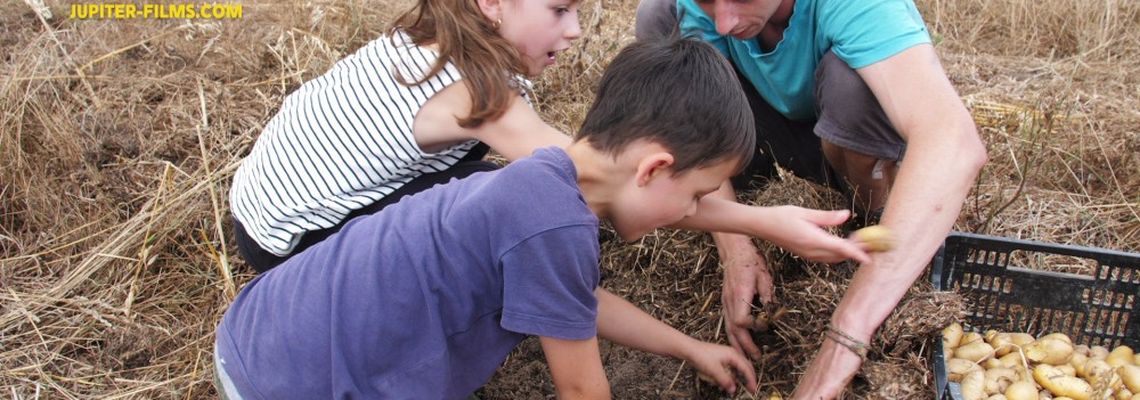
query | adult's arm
[943, 157]
[746, 274]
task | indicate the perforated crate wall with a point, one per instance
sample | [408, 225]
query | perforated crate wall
[1093, 299]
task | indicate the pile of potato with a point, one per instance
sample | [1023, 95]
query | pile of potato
[1017, 366]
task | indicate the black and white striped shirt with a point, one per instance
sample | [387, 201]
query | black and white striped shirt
[342, 141]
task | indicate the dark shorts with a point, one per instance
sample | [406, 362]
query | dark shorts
[262, 260]
[848, 115]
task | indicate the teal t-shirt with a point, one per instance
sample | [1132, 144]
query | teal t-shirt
[860, 33]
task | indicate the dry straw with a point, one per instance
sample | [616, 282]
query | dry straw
[118, 140]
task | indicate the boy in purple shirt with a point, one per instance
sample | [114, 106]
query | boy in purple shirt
[426, 298]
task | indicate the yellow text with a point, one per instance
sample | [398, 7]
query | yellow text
[156, 11]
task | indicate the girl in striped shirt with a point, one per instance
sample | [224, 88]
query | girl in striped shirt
[416, 107]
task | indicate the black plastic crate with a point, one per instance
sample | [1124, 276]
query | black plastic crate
[1006, 289]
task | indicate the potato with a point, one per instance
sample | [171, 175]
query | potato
[1123, 394]
[1130, 374]
[1136, 359]
[992, 363]
[971, 337]
[976, 351]
[1078, 362]
[1012, 360]
[1136, 396]
[1057, 335]
[1059, 384]
[998, 379]
[1099, 373]
[1098, 352]
[1067, 369]
[1121, 355]
[1052, 351]
[973, 386]
[952, 336]
[997, 397]
[1082, 349]
[958, 368]
[1021, 390]
[1001, 343]
[878, 238]
[1021, 339]
[1025, 375]
[1095, 367]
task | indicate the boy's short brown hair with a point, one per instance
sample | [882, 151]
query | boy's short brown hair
[678, 92]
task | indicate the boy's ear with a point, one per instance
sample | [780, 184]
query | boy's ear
[653, 165]
[492, 9]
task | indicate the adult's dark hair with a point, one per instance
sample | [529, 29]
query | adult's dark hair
[678, 92]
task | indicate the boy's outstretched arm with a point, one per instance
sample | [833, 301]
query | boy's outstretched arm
[625, 324]
[796, 229]
[576, 367]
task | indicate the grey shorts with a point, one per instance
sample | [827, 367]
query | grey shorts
[848, 114]
[222, 382]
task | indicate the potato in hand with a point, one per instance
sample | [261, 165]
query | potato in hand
[877, 238]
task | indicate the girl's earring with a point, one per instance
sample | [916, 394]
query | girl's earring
[498, 23]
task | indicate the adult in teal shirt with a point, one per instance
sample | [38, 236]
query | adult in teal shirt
[849, 94]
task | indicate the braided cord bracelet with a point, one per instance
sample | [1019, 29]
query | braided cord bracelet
[845, 340]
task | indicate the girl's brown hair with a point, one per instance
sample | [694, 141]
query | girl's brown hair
[469, 41]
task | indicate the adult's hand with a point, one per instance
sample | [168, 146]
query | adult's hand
[829, 372]
[745, 274]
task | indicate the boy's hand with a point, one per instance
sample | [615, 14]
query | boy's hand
[801, 232]
[722, 364]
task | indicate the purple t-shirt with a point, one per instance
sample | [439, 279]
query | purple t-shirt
[426, 298]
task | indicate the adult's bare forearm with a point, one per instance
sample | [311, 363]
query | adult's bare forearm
[923, 206]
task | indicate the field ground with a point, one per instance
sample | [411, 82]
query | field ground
[118, 140]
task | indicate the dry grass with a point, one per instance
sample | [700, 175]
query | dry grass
[118, 140]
